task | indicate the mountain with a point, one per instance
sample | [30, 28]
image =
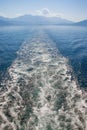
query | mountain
[4, 18]
[82, 23]
[31, 20]
[38, 20]
[5, 21]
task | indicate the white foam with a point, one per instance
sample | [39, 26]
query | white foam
[47, 84]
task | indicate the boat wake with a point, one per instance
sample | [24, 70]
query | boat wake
[39, 92]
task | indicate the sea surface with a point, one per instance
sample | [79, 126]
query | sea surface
[11, 39]
[71, 42]
[41, 69]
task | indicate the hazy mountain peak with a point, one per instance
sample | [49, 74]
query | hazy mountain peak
[39, 19]
[82, 23]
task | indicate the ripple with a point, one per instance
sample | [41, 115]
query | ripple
[40, 92]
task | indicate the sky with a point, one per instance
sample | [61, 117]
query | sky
[74, 10]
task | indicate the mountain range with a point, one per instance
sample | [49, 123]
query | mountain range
[38, 20]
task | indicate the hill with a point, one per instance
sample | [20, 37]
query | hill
[81, 23]
[34, 20]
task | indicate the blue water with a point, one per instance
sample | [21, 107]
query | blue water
[71, 42]
[10, 40]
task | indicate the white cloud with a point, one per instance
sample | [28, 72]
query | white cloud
[46, 12]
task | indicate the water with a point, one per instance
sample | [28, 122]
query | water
[10, 40]
[72, 43]
[39, 92]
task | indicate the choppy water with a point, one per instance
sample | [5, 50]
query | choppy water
[39, 92]
[10, 40]
[72, 43]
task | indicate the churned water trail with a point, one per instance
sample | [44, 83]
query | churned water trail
[39, 92]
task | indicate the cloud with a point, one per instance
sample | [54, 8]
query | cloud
[46, 12]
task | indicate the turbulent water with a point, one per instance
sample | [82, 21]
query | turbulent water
[72, 43]
[40, 92]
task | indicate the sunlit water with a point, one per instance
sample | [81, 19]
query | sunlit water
[39, 91]
[71, 42]
[10, 40]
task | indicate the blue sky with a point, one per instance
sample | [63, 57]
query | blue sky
[74, 10]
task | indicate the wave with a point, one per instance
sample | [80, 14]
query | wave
[39, 92]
